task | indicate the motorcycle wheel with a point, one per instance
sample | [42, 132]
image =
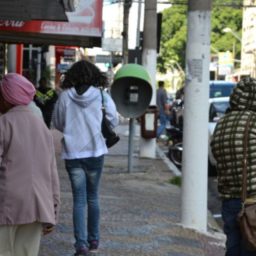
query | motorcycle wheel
[175, 154]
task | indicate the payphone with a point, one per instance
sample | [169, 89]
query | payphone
[132, 92]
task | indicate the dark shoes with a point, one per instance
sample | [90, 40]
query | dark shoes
[93, 246]
[84, 251]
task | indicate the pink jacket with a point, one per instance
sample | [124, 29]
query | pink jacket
[29, 182]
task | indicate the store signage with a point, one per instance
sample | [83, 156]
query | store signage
[85, 19]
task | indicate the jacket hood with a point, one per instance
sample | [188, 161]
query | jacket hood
[86, 98]
[243, 96]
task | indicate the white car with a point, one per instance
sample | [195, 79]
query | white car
[217, 108]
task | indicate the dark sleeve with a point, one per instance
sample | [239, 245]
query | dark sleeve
[38, 102]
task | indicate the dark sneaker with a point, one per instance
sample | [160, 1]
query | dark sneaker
[82, 252]
[93, 246]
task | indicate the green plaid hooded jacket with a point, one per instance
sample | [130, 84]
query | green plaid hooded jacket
[228, 140]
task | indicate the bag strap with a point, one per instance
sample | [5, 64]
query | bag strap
[245, 150]
[102, 102]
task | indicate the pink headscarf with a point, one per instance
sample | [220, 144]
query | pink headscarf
[16, 89]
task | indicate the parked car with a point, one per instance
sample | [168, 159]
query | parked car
[217, 108]
[221, 88]
[218, 88]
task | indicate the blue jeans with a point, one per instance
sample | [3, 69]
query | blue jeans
[163, 121]
[234, 244]
[84, 175]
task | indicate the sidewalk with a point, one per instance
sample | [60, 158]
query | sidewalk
[140, 211]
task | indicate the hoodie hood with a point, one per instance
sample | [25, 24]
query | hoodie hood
[86, 98]
[243, 96]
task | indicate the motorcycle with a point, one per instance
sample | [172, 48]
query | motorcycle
[175, 147]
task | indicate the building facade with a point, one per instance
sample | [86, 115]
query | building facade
[248, 51]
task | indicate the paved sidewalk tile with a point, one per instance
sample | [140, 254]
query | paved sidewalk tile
[140, 211]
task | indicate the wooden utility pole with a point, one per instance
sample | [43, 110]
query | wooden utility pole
[149, 57]
[195, 128]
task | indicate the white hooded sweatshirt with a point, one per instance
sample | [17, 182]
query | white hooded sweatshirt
[79, 118]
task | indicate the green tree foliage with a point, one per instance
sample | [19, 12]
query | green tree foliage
[174, 31]
[173, 37]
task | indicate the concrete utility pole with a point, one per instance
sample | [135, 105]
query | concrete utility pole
[138, 24]
[11, 58]
[127, 6]
[149, 56]
[195, 138]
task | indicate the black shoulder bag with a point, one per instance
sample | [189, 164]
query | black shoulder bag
[108, 133]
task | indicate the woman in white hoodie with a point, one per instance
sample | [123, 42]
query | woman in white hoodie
[78, 115]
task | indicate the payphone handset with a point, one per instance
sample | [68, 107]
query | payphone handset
[132, 94]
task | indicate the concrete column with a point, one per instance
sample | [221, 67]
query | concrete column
[50, 62]
[195, 138]
[149, 56]
[15, 58]
[127, 6]
[38, 66]
[11, 58]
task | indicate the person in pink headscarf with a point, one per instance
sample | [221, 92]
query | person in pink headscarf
[29, 183]
[16, 95]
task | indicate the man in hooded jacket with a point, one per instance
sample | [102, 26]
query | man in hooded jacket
[228, 148]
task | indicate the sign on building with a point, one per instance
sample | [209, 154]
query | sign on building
[84, 28]
[225, 63]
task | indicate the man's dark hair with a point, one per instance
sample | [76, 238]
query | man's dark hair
[161, 83]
